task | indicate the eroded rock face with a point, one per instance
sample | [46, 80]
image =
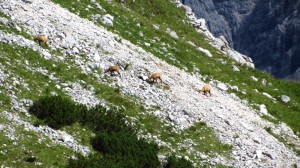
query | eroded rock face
[267, 31]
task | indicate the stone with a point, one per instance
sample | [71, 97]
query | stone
[263, 109]
[235, 88]
[173, 34]
[235, 69]
[285, 99]
[205, 51]
[27, 1]
[108, 20]
[222, 86]
[253, 78]
[156, 27]
[47, 55]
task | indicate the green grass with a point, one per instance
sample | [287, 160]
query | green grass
[30, 149]
[178, 53]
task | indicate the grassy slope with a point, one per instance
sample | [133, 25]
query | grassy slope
[176, 52]
[179, 53]
[22, 64]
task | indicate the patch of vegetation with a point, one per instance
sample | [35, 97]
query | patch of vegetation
[29, 149]
[173, 161]
[115, 138]
[131, 151]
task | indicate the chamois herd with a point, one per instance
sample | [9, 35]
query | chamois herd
[206, 89]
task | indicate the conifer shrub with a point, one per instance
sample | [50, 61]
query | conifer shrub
[56, 111]
[174, 162]
[94, 160]
[102, 119]
[127, 150]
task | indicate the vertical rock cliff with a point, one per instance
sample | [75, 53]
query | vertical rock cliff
[267, 31]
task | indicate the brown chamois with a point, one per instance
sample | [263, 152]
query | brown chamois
[155, 77]
[112, 69]
[206, 89]
[42, 39]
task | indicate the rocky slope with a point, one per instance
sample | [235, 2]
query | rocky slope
[267, 31]
[234, 122]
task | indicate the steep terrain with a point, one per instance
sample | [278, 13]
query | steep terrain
[80, 50]
[267, 31]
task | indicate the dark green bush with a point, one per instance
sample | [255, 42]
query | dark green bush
[56, 111]
[110, 120]
[174, 162]
[115, 139]
[92, 161]
[127, 150]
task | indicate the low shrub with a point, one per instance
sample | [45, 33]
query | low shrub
[56, 111]
[102, 119]
[174, 162]
[127, 150]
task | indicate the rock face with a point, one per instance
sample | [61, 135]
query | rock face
[267, 31]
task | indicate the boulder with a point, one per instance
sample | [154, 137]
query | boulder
[205, 51]
[285, 98]
[108, 20]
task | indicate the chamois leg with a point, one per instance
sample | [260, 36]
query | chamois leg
[39, 43]
[119, 73]
[160, 80]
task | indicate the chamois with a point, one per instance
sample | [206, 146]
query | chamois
[42, 39]
[206, 89]
[112, 69]
[155, 77]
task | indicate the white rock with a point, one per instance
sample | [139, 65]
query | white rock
[147, 44]
[96, 57]
[205, 51]
[258, 154]
[173, 34]
[156, 27]
[264, 82]
[267, 95]
[108, 20]
[222, 86]
[75, 50]
[235, 88]
[18, 28]
[285, 98]
[254, 78]
[263, 109]
[47, 55]
[257, 140]
[235, 69]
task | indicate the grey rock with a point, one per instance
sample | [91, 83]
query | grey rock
[285, 99]
[222, 86]
[108, 20]
[254, 78]
[239, 19]
[205, 51]
[263, 109]
[27, 1]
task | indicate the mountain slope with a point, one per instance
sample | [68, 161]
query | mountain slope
[84, 49]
